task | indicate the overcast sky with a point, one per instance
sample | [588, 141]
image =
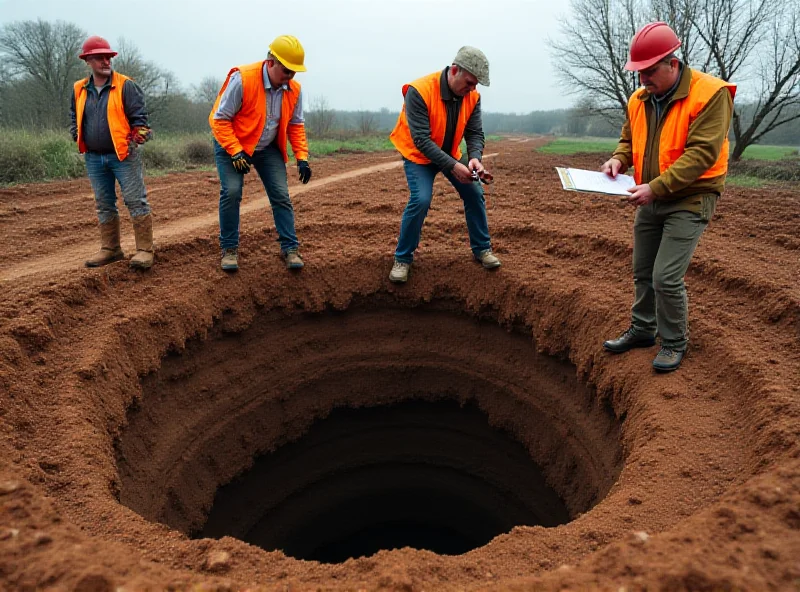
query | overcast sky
[359, 53]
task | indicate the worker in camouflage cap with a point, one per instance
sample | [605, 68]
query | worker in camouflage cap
[474, 61]
[439, 110]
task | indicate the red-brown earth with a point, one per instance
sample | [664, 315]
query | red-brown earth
[128, 398]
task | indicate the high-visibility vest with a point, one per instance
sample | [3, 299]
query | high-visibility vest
[243, 132]
[429, 87]
[674, 132]
[117, 120]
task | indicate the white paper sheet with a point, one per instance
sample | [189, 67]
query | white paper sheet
[594, 181]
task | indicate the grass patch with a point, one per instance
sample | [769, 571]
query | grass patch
[575, 145]
[745, 181]
[758, 152]
[29, 157]
[326, 147]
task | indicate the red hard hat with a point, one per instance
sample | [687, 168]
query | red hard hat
[95, 45]
[651, 43]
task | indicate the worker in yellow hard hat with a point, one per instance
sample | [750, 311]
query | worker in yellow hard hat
[258, 109]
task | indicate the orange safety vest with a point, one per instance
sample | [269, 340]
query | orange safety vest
[117, 120]
[431, 90]
[244, 130]
[675, 130]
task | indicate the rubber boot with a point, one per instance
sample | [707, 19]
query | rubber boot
[143, 231]
[110, 250]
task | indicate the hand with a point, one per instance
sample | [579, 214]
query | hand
[241, 162]
[641, 195]
[462, 173]
[140, 134]
[613, 167]
[476, 165]
[304, 170]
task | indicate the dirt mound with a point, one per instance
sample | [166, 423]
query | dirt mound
[142, 412]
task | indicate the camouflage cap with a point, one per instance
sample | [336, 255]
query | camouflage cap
[473, 61]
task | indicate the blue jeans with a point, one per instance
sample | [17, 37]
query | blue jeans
[103, 170]
[270, 166]
[420, 183]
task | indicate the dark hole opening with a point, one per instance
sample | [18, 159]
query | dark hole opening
[428, 475]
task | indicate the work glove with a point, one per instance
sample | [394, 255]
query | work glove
[140, 134]
[304, 170]
[241, 162]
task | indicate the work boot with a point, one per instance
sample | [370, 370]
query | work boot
[293, 260]
[399, 273]
[627, 341]
[230, 259]
[110, 250]
[488, 259]
[143, 231]
[668, 359]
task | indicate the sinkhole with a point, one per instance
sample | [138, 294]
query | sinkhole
[336, 435]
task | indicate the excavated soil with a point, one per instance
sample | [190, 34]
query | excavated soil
[187, 429]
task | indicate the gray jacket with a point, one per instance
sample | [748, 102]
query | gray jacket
[96, 133]
[419, 124]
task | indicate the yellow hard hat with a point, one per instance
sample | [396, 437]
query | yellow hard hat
[289, 52]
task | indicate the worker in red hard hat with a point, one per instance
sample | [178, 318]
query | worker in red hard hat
[675, 138]
[109, 123]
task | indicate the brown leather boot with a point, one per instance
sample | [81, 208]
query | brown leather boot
[110, 250]
[143, 231]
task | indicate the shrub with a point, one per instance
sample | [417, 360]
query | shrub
[20, 159]
[62, 159]
[198, 152]
[774, 170]
[157, 156]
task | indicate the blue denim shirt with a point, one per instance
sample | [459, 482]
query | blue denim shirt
[231, 102]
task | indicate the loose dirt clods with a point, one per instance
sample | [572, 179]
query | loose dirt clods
[699, 490]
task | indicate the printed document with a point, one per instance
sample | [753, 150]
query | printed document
[594, 181]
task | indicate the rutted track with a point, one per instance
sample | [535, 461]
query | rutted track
[709, 493]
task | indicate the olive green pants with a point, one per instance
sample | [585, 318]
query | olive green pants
[663, 245]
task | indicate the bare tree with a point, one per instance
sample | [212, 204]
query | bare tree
[207, 89]
[158, 84]
[681, 15]
[591, 53]
[754, 43]
[47, 54]
[367, 123]
[731, 30]
[130, 62]
[320, 117]
[771, 30]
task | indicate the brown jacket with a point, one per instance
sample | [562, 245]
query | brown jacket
[679, 187]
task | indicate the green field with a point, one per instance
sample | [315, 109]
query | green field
[746, 181]
[607, 145]
[325, 147]
[758, 152]
[575, 145]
